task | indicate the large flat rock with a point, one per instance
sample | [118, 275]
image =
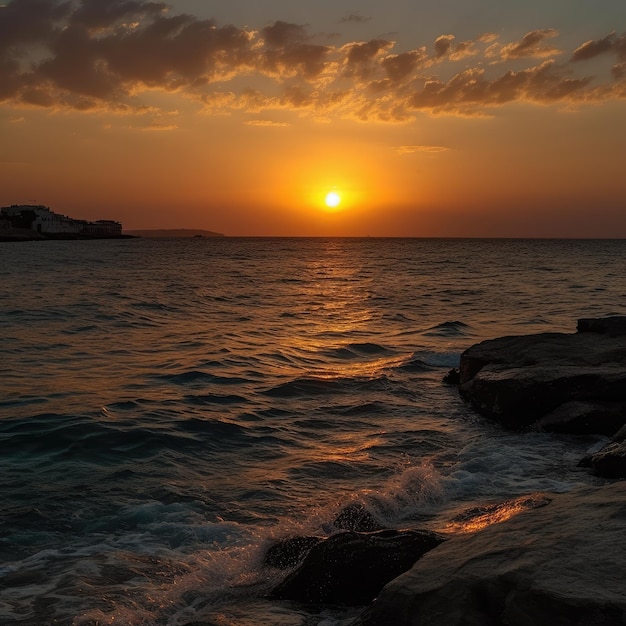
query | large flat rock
[560, 565]
[520, 380]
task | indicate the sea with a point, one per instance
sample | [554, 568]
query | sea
[171, 408]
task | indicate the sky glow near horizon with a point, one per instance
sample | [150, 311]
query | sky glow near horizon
[468, 118]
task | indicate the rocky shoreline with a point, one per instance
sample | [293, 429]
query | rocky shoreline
[557, 382]
[556, 559]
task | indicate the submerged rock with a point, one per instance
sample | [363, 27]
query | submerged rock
[573, 382]
[350, 568]
[559, 565]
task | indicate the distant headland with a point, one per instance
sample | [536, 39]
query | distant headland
[28, 222]
[166, 233]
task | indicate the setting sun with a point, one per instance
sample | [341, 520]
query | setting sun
[332, 199]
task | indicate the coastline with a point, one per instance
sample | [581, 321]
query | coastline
[546, 558]
[14, 235]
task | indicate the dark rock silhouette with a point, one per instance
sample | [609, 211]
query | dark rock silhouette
[610, 462]
[565, 382]
[357, 517]
[289, 552]
[350, 568]
[580, 418]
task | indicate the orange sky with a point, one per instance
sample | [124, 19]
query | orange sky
[165, 118]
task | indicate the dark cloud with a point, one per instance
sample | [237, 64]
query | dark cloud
[307, 59]
[591, 49]
[354, 18]
[283, 33]
[31, 21]
[610, 43]
[443, 44]
[619, 71]
[401, 66]
[531, 45]
[363, 53]
[471, 88]
[288, 52]
[106, 54]
[102, 14]
[360, 58]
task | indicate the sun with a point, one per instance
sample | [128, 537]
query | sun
[332, 199]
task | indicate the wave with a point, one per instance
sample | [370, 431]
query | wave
[215, 398]
[369, 348]
[336, 470]
[448, 329]
[309, 386]
[357, 350]
[61, 438]
[361, 409]
[415, 365]
[198, 376]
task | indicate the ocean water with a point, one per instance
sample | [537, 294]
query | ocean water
[169, 408]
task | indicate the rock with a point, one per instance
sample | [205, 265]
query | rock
[610, 462]
[612, 326]
[452, 377]
[559, 565]
[289, 552]
[350, 568]
[620, 435]
[518, 380]
[580, 418]
[356, 517]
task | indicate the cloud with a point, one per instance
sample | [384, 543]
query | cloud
[594, 48]
[398, 67]
[402, 150]
[158, 128]
[92, 55]
[619, 70]
[543, 84]
[267, 123]
[532, 44]
[443, 44]
[354, 18]
[282, 34]
[360, 59]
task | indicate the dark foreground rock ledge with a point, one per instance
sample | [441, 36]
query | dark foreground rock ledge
[573, 383]
[560, 565]
[350, 568]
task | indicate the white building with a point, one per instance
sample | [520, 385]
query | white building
[48, 222]
[42, 220]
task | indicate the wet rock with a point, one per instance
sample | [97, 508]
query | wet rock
[519, 380]
[350, 568]
[452, 377]
[580, 418]
[356, 517]
[289, 552]
[561, 564]
[610, 462]
[614, 326]
[620, 435]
